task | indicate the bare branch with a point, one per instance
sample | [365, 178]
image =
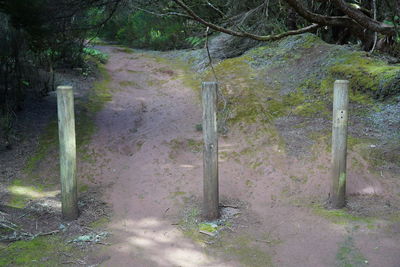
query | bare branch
[317, 18]
[364, 20]
[164, 14]
[243, 34]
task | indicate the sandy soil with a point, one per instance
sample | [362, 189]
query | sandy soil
[147, 137]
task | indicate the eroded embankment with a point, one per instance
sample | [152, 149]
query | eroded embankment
[287, 87]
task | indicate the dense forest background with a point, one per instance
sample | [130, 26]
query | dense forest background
[40, 36]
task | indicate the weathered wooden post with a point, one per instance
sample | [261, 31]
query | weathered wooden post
[210, 154]
[339, 143]
[66, 129]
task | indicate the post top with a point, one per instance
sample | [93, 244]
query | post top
[65, 87]
[342, 81]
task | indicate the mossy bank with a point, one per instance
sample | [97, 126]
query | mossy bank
[287, 86]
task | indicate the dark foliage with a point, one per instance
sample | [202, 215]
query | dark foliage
[38, 36]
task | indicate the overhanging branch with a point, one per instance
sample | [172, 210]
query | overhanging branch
[215, 27]
[364, 20]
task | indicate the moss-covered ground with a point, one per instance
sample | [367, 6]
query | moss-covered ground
[348, 255]
[242, 247]
[34, 184]
[340, 216]
[291, 81]
[42, 251]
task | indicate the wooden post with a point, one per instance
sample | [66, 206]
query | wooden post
[339, 143]
[66, 129]
[210, 154]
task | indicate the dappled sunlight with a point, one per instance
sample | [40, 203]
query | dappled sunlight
[141, 242]
[225, 147]
[147, 222]
[32, 192]
[370, 190]
[141, 98]
[184, 257]
[165, 244]
[187, 166]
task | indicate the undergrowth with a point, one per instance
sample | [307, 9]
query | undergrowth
[32, 185]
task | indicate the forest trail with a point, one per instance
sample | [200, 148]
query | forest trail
[152, 169]
[149, 113]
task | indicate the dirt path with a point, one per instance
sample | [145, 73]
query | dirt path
[148, 139]
[136, 132]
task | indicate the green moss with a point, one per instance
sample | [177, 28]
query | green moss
[349, 255]
[18, 201]
[379, 157]
[247, 253]
[191, 145]
[42, 251]
[101, 91]
[195, 145]
[96, 54]
[249, 183]
[32, 185]
[246, 96]
[269, 239]
[368, 77]
[177, 194]
[376, 156]
[134, 71]
[258, 91]
[395, 218]
[241, 247]
[156, 83]
[190, 227]
[208, 227]
[103, 221]
[310, 40]
[339, 216]
[302, 180]
[83, 188]
[47, 141]
[304, 105]
[286, 191]
[251, 100]
[185, 74]
[22, 193]
[85, 126]
[128, 84]
[356, 164]
[353, 142]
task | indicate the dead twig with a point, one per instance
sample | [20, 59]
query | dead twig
[263, 241]
[103, 243]
[228, 206]
[48, 233]
[210, 62]
[80, 262]
[224, 114]
[208, 233]
[23, 215]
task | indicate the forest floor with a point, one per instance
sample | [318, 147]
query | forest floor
[147, 135]
[146, 156]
